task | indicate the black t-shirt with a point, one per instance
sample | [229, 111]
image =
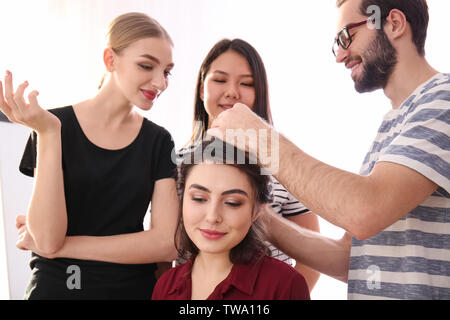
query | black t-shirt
[107, 193]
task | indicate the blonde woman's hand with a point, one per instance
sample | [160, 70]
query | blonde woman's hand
[25, 240]
[15, 108]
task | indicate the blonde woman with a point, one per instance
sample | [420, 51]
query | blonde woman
[98, 164]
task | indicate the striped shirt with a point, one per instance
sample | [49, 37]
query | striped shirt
[411, 258]
[283, 203]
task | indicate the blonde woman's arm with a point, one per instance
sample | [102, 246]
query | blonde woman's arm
[153, 245]
[46, 218]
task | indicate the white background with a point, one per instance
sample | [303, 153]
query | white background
[57, 46]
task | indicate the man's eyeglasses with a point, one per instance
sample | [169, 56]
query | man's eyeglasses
[344, 38]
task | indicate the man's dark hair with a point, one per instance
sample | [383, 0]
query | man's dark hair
[416, 12]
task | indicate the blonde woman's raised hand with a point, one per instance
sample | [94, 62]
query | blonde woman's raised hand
[17, 110]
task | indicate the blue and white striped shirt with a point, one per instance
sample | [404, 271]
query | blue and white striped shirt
[411, 258]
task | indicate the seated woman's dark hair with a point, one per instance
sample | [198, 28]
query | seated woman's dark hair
[219, 152]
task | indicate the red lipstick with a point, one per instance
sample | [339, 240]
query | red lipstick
[149, 94]
[212, 234]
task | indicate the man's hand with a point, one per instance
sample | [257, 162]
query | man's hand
[242, 128]
[237, 122]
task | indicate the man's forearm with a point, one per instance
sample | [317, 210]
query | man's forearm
[340, 197]
[325, 255]
[362, 205]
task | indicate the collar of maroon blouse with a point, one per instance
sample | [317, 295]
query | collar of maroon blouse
[242, 278]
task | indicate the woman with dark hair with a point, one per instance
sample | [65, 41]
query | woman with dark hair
[244, 58]
[219, 229]
[233, 72]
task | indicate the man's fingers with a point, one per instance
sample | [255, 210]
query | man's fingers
[215, 132]
[240, 105]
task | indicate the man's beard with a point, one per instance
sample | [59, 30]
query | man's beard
[380, 59]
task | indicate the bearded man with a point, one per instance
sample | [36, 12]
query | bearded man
[396, 212]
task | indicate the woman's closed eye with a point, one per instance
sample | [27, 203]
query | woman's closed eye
[233, 203]
[198, 199]
[244, 84]
[145, 67]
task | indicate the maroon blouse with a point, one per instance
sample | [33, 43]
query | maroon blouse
[269, 279]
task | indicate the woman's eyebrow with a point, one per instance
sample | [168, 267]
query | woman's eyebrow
[197, 186]
[239, 191]
[156, 60]
[202, 188]
[147, 56]
[225, 74]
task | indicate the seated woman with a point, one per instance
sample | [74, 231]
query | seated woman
[220, 230]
